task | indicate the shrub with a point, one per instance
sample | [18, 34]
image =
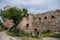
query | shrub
[18, 33]
[2, 27]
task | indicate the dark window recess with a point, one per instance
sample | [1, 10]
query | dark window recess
[45, 17]
[35, 29]
[27, 25]
[39, 18]
[52, 17]
[34, 17]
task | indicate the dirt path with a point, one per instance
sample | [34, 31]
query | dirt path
[4, 36]
[49, 38]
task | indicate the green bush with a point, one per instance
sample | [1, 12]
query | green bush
[2, 27]
[49, 33]
[18, 33]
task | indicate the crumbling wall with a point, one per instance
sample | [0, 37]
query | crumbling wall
[46, 21]
[42, 22]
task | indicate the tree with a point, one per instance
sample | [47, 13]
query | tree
[15, 14]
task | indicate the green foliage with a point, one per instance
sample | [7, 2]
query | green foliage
[15, 14]
[49, 33]
[2, 27]
[55, 35]
[18, 33]
[30, 38]
[21, 33]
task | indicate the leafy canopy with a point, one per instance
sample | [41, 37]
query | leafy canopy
[15, 14]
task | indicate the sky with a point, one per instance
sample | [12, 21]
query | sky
[33, 6]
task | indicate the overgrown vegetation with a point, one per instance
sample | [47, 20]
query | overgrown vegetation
[18, 33]
[2, 27]
[16, 15]
[49, 33]
[21, 33]
[30, 38]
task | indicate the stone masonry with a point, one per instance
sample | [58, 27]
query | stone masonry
[40, 22]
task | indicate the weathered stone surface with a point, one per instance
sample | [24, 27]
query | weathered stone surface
[45, 21]
[42, 22]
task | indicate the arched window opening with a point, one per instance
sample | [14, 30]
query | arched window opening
[52, 17]
[27, 25]
[35, 29]
[45, 17]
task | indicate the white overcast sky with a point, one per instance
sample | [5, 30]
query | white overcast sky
[33, 6]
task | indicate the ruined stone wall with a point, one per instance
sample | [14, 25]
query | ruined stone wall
[45, 21]
[41, 22]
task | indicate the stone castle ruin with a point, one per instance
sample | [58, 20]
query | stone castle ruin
[40, 22]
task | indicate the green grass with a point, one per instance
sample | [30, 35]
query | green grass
[2, 27]
[23, 35]
[18, 33]
[55, 35]
[50, 34]
[42, 35]
[30, 38]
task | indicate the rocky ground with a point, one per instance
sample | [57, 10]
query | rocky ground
[4, 36]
